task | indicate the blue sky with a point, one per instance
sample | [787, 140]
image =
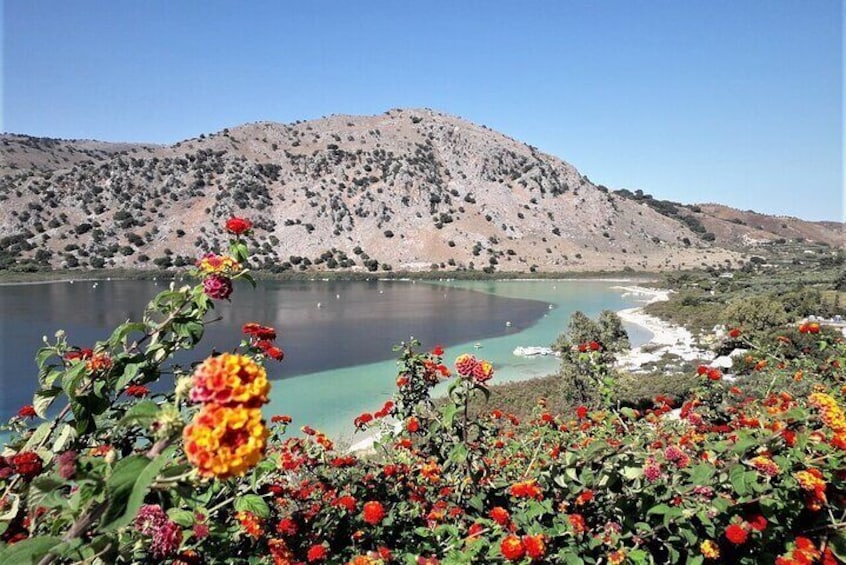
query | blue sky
[694, 101]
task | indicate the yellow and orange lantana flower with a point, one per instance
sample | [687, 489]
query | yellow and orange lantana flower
[225, 441]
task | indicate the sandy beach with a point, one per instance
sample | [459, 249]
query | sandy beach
[667, 338]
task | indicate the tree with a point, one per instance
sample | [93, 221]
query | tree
[588, 350]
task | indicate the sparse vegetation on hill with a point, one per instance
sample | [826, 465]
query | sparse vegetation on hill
[413, 190]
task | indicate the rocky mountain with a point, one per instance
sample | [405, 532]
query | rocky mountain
[410, 189]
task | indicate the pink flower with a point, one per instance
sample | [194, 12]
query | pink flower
[166, 540]
[217, 287]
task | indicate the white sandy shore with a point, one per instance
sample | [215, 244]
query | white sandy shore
[667, 338]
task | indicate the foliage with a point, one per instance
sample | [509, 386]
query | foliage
[587, 351]
[745, 471]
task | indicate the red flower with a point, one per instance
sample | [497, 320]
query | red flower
[373, 512]
[363, 420]
[499, 515]
[217, 287]
[512, 548]
[757, 523]
[582, 412]
[27, 411]
[584, 498]
[316, 553]
[527, 489]
[438, 350]
[27, 464]
[577, 521]
[736, 534]
[287, 527]
[412, 425]
[137, 391]
[238, 226]
[714, 374]
[346, 502]
[66, 463]
[734, 333]
[270, 350]
[701, 370]
[535, 546]
[594, 346]
[583, 347]
[258, 331]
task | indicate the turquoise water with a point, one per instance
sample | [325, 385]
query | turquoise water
[337, 334]
[330, 400]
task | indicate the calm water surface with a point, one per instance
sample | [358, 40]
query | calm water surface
[337, 335]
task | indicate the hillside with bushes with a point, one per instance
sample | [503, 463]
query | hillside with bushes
[408, 190]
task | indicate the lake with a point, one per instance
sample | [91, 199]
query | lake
[337, 335]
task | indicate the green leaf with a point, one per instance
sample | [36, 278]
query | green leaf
[252, 503]
[659, 509]
[458, 454]
[43, 399]
[701, 474]
[184, 518]
[744, 442]
[66, 435]
[837, 543]
[737, 477]
[124, 330]
[143, 413]
[632, 473]
[129, 484]
[43, 355]
[130, 371]
[449, 414]
[40, 433]
[29, 550]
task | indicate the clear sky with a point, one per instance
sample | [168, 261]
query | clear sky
[737, 102]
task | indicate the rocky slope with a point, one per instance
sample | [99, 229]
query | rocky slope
[405, 190]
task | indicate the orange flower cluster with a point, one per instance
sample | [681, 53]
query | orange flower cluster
[227, 436]
[765, 465]
[98, 362]
[515, 548]
[212, 264]
[832, 416]
[225, 441]
[250, 522]
[230, 379]
[812, 481]
[527, 489]
[804, 552]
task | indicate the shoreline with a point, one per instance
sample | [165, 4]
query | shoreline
[667, 338]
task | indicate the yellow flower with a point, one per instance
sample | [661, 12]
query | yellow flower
[709, 549]
[225, 441]
[211, 264]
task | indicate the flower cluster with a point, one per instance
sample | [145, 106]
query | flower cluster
[471, 368]
[225, 441]
[832, 416]
[213, 264]
[219, 270]
[227, 436]
[166, 535]
[262, 338]
[229, 379]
